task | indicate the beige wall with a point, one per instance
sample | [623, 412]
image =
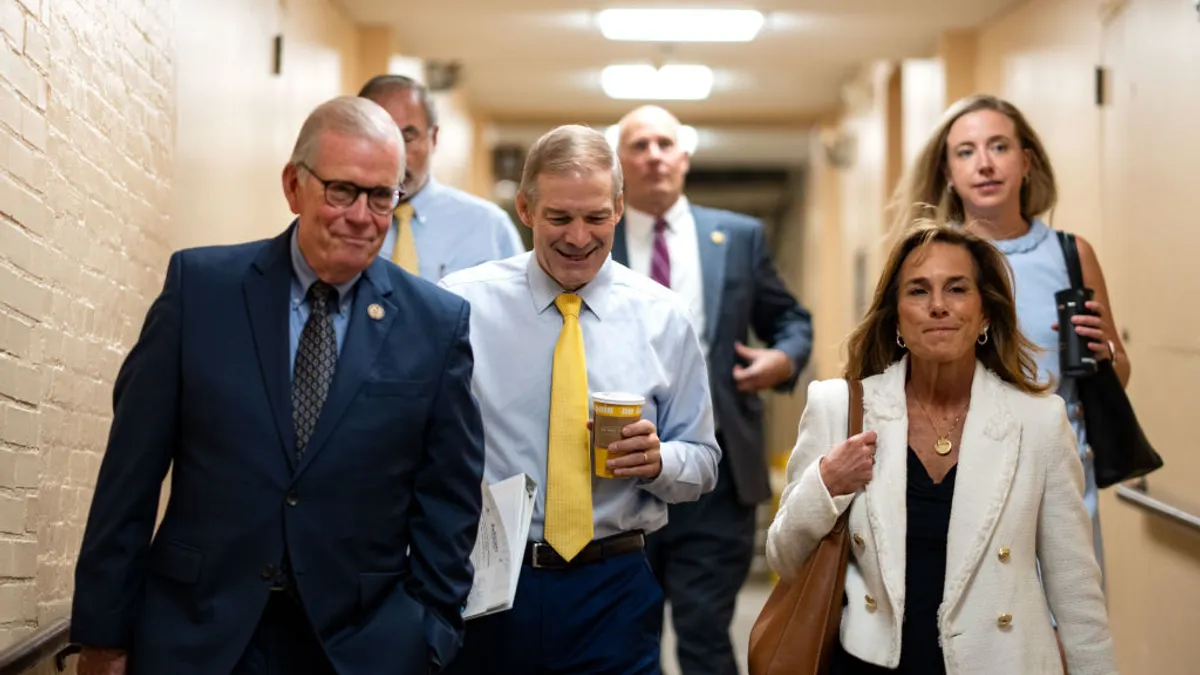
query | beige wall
[237, 121]
[86, 109]
[1125, 174]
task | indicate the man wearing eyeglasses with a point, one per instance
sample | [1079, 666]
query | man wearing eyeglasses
[438, 229]
[313, 405]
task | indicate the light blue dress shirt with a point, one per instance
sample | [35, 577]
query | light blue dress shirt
[637, 338]
[303, 276]
[454, 230]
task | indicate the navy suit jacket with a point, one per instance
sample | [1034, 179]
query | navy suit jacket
[378, 518]
[742, 291]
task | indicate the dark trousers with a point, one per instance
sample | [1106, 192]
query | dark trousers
[701, 559]
[598, 619]
[284, 643]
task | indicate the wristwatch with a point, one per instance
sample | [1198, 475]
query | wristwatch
[1112, 352]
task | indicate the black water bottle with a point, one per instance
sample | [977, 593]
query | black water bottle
[1075, 358]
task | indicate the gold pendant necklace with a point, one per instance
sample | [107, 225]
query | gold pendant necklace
[944, 445]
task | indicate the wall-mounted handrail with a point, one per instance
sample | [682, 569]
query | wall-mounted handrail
[1138, 493]
[43, 644]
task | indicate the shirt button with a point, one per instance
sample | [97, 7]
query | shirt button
[292, 499]
[1004, 620]
[858, 540]
[871, 604]
[1005, 554]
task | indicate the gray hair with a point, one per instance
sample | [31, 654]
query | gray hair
[567, 149]
[350, 116]
[383, 86]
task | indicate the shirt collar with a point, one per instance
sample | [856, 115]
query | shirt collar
[543, 289]
[423, 200]
[642, 223]
[306, 277]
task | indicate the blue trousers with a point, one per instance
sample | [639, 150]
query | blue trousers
[598, 619]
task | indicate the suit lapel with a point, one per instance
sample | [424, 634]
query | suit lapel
[986, 466]
[620, 247]
[365, 335]
[711, 240]
[267, 289]
[885, 413]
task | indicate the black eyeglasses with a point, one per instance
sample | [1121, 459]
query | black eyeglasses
[342, 194]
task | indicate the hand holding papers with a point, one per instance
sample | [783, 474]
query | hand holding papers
[500, 545]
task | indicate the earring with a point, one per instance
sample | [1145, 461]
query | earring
[900, 340]
[983, 337]
[949, 188]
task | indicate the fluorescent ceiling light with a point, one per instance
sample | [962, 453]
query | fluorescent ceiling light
[674, 82]
[687, 137]
[680, 25]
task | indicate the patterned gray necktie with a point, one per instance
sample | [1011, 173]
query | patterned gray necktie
[316, 361]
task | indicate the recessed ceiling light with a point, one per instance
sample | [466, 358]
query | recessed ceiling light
[680, 25]
[673, 82]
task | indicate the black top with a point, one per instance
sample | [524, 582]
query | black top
[928, 524]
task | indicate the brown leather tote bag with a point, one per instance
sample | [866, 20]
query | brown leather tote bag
[795, 632]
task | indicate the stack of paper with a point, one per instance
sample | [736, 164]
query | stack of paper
[500, 545]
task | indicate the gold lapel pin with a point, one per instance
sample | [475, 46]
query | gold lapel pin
[718, 237]
[375, 311]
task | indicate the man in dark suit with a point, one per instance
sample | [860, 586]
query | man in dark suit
[719, 264]
[313, 405]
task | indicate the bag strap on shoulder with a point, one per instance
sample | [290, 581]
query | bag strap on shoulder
[856, 408]
[1071, 256]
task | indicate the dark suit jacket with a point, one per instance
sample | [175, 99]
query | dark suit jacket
[378, 518]
[742, 290]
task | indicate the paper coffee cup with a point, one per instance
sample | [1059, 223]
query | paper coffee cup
[612, 411]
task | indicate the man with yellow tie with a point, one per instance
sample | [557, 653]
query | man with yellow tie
[437, 229]
[548, 329]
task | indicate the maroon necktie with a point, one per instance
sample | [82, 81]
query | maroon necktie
[660, 259]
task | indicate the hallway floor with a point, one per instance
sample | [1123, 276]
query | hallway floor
[750, 601]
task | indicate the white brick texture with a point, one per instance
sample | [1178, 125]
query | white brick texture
[86, 123]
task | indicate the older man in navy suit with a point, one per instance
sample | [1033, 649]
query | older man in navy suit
[313, 404]
[719, 264]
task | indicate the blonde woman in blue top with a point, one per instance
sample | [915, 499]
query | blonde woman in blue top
[985, 165]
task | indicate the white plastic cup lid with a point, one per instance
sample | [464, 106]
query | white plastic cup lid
[618, 398]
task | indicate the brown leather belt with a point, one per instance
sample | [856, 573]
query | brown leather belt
[539, 554]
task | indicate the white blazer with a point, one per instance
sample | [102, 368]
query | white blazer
[1018, 499]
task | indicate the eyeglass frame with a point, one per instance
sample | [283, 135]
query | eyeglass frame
[398, 192]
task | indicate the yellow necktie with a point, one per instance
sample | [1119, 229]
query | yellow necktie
[405, 253]
[569, 476]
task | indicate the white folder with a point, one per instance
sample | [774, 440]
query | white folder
[500, 545]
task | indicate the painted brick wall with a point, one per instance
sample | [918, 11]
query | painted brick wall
[86, 116]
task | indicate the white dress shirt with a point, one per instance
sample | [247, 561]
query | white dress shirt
[637, 339]
[682, 246]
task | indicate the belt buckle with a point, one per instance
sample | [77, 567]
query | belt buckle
[535, 557]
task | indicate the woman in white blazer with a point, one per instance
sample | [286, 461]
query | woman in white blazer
[965, 477]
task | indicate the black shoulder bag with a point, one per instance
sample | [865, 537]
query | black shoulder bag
[1119, 447]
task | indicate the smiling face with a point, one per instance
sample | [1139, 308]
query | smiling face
[986, 164]
[572, 218]
[939, 306]
[338, 243]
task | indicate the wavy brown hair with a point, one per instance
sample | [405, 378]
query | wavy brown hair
[922, 191]
[1008, 353]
